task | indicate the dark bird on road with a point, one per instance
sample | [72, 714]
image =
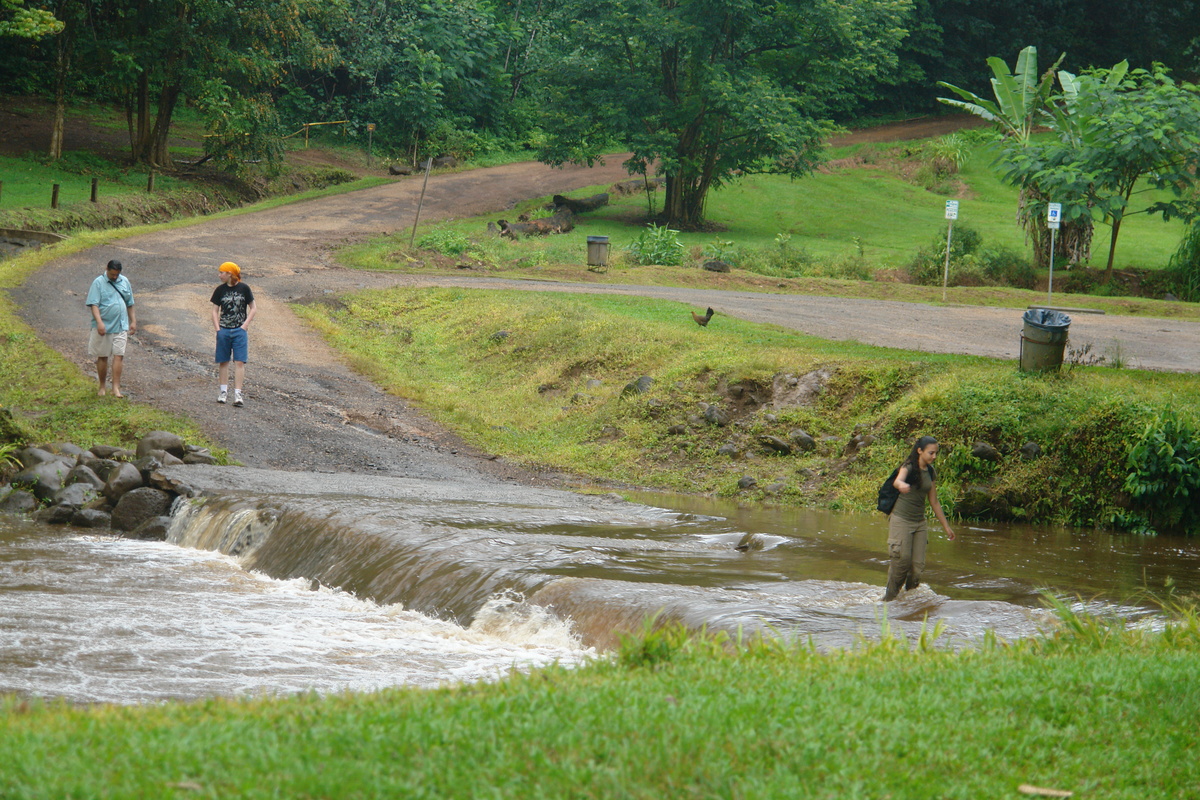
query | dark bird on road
[702, 321]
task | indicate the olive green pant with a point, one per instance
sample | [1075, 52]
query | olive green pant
[906, 549]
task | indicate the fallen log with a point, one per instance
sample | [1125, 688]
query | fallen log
[636, 186]
[581, 206]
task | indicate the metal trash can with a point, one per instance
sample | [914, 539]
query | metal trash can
[597, 251]
[1043, 339]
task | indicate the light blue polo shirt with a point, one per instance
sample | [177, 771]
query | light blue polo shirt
[113, 299]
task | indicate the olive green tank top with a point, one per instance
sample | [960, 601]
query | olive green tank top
[911, 506]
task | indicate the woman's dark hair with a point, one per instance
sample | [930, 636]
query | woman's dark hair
[913, 462]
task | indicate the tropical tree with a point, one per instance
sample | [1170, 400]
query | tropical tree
[1022, 103]
[1120, 133]
[699, 90]
[22, 22]
[1114, 133]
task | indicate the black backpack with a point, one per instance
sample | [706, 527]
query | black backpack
[888, 493]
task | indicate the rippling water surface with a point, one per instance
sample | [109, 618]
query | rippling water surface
[350, 583]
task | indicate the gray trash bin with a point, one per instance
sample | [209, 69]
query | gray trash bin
[1043, 339]
[597, 253]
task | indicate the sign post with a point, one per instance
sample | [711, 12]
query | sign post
[370, 132]
[1053, 220]
[951, 215]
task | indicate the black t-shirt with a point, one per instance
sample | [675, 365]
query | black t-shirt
[233, 300]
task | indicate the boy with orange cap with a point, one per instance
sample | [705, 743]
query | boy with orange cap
[232, 312]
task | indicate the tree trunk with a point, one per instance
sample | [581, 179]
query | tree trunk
[1072, 245]
[159, 151]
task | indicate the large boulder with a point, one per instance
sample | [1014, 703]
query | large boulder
[161, 440]
[83, 474]
[75, 495]
[138, 505]
[32, 456]
[43, 479]
[125, 478]
[18, 502]
[91, 518]
[73, 451]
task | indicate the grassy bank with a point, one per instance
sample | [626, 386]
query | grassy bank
[1103, 712]
[552, 380]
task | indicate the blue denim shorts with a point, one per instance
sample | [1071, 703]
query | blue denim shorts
[233, 344]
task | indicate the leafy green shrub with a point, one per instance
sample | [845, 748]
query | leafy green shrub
[971, 264]
[948, 153]
[1164, 477]
[784, 260]
[1184, 267]
[445, 241]
[719, 250]
[657, 245]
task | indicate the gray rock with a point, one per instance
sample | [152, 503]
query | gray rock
[985, 451]
[400, 169]
[594, 383]
[199, 458]
[715, 265]
[75, 495]
[101, 466]
[163, 457]
[713, 415]
[747, 482]
[18, 502]
[676, 430]
[43, 479]
[804, 443]
[138, 505]
[161, 440]
[154, 529]
[83, 474]
[728, 449]
[445, 161]
[789, 390]
[105, 451]
[778, 487]
[749, 542]
[126, 477]
[1031, 451]
[775, 444]
[32, 456]
[91, 518]
[72, 451]
[55, 515]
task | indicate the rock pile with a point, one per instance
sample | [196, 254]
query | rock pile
[104, 487]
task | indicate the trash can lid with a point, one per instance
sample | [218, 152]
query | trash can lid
[592, 239]
[1047, 319]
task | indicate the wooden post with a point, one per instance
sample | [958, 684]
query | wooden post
[95, 189]
[420, 201]
[54, 196]
[150, 182]
[306, 136]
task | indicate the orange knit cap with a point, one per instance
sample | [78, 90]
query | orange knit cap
[229, 266]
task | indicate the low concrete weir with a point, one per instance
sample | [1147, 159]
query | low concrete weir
[602, 565]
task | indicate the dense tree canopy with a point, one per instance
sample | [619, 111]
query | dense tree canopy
[700, 90]
[702, 87]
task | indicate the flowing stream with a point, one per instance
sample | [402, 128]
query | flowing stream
[274, 583]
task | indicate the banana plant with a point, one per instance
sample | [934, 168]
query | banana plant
[1021, 96]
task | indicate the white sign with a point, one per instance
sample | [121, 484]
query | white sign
[951, 209]
[1053, 215]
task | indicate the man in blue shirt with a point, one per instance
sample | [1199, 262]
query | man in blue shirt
[110, 299]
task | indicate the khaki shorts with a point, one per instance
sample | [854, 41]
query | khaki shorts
[110, 344]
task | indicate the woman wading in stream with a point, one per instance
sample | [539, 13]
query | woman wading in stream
[908, 530]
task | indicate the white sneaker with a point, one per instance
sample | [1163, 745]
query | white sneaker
[237, 398]
[221, 397]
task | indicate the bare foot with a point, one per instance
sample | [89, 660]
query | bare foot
[117, 392]
[102, 391]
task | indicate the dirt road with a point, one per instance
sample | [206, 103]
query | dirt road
[306, 410]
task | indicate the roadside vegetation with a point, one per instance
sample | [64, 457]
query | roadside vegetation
[873, 215]
[1092, 708]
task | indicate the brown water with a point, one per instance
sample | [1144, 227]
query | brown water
[283, 582]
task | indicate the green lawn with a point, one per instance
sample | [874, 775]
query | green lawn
[867, 212]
